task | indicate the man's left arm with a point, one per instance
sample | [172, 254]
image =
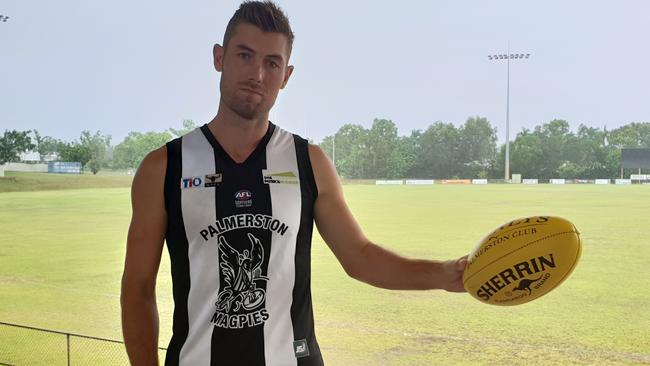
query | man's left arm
[363, 259]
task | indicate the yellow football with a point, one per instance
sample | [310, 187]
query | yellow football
[522, 260]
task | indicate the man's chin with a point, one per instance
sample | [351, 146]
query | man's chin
[248, 113]
[246, 109]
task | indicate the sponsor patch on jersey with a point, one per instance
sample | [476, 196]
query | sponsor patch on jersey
[243, 198]
[208, 180]
[300, 348]
[191, 182]
[279, 178]
[213, 180]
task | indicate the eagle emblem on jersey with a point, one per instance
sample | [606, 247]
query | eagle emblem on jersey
[244, 285]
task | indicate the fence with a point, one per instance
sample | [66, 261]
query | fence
[23, 345]
[23, 167]
[635, 179]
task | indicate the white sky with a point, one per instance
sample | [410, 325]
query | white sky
[121, 65]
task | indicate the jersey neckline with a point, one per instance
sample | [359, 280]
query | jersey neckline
[260, 146]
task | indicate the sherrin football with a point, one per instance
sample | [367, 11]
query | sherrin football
[522, 260]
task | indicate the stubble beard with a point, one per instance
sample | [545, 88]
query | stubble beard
[243, 106]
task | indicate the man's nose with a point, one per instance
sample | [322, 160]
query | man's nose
[256, 72]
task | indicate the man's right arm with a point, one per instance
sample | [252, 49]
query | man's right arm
[143, 251]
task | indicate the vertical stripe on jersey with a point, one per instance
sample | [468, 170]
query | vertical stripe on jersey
[198, 207]
[245, 345]
[301, 308]
[176, 241]
[285, 205]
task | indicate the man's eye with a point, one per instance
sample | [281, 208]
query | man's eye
[274, 64]
[245, 56]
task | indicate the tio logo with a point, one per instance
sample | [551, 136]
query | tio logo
[191, 182]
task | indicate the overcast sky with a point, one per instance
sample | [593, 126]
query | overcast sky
[122, 65]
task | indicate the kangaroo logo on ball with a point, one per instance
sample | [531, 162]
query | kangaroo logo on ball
[525, 284]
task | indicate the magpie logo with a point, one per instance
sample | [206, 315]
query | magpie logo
[239, 301]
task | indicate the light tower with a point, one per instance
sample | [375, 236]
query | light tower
[507, 57]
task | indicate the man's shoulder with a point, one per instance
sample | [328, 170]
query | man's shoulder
[278, 130]
[154, 163]
[149, 179]
[316, 152]
[156, 156]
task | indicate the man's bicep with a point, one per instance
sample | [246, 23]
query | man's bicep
[336, 224]
[334, 220]
[148, 221]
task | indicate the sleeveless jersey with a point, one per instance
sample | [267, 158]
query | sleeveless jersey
[239, 239]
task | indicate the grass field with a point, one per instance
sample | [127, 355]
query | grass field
[25, 182]
[61, 255]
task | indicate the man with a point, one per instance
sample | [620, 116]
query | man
[235, 200]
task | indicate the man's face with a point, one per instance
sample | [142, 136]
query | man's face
[254, 69]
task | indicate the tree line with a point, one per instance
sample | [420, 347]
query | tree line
[549, 150]
[442, 150]
[93, 151]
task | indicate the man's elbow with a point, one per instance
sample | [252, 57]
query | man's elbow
[352, 271]
[356, 267]
[136, 290]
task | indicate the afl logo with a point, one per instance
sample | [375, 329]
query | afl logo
[243, 198]
[243, 195]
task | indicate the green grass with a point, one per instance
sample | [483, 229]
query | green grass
[26, 182]
[61, 257]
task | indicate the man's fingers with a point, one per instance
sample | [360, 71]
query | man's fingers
[461, 263]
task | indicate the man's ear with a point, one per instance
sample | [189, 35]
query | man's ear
[287, 75]
[218, 52]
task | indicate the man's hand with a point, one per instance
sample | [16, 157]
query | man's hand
[452, 273]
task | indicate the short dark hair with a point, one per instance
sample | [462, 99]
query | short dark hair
[263, 14]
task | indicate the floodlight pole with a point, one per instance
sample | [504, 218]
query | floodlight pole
[3, 19]
[507, 165]
[507, 57]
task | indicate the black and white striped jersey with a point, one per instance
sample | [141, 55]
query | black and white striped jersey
[239, 239]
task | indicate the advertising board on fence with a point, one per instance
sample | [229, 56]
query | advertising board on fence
[64, 167]
[456, 181]
[633, 177]
[388, 182]
[24, 167]
[419, 181]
